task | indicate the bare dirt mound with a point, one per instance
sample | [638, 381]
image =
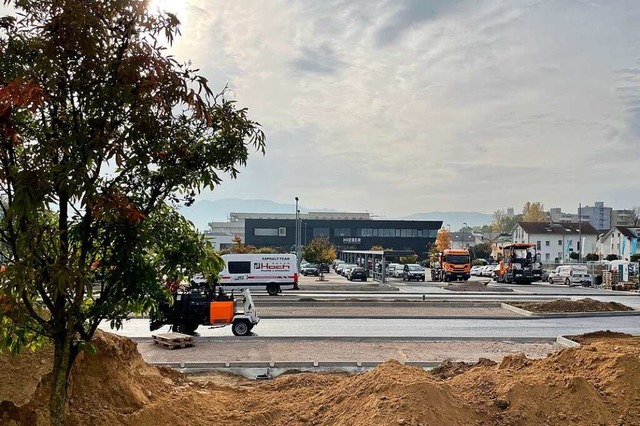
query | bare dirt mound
[582, 305]
[114, 381]
[597, 383]
[475, 286]
[449, 368]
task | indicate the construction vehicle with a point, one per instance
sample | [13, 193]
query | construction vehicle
[200, 304]
[519, 264]
[451, 265]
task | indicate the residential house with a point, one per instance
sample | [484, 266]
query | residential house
[555, 241]
[619, 240]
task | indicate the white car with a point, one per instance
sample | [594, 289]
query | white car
[391, 268]
[487, 271]
[476, 270]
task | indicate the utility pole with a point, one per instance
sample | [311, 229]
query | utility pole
[580, 232]
[295, 242]
[298, 236]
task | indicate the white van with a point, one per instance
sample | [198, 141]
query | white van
[273, 272]
[570, 275]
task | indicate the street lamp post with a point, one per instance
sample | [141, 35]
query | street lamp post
[297, 243]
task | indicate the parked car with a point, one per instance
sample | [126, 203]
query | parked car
[337, 263]
[310, 269]
[570, 275]
[324, 268]
[398, 271]
[476, 270]
[357, 273]
[391, 267]
[347, 268]
[340, 267]
[487, 271]
[413, 272]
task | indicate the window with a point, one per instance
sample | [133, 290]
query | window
[265, 232]
[547, 243]
[398, 232]
[547, 256]
[375, 232]
[367, 232]
[559, 242]
[539, 245]
[243, 267]
[342, 232]
[320, 232]
[419, 233]
[282, 231]
[405, 233]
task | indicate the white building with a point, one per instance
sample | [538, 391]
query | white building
[619, 240]
[556, 241]
[598, 215]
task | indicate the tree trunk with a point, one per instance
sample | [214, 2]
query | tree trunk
[62, 360]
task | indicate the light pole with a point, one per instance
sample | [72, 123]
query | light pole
[295, 241]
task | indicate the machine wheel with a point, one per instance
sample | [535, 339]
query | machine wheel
[567, 282]
[241, 328]
[550, 280]
[184, 328]
[273, 289]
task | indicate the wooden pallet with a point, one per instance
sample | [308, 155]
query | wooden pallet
[173, 340]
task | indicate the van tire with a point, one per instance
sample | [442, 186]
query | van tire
[567, 282]
[273, 289]
[241, 328]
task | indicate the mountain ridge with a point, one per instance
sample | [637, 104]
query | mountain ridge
[204, 211]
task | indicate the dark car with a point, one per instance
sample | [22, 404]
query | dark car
[324, 268]
[310, 269]
[413, 272]
[357, 274]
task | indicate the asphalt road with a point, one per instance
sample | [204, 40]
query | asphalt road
[420, 328]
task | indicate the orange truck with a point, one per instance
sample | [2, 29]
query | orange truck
[451, 265]
[520, 263]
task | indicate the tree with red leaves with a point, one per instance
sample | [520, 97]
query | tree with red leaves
[102, 133]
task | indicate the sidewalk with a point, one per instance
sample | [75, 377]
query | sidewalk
[358, 350]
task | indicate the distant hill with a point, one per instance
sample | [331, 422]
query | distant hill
[205, 211]
[455, 219]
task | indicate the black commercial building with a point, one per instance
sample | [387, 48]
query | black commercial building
[351, 234]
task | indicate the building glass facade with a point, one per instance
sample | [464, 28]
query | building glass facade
[414, 235]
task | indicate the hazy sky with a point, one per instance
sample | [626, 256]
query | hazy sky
[398, 107]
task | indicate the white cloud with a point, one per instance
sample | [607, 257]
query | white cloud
[398, 107]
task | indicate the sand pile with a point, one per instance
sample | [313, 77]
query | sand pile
[582, 305]
[598, 383]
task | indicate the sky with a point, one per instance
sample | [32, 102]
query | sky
[403, 106]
